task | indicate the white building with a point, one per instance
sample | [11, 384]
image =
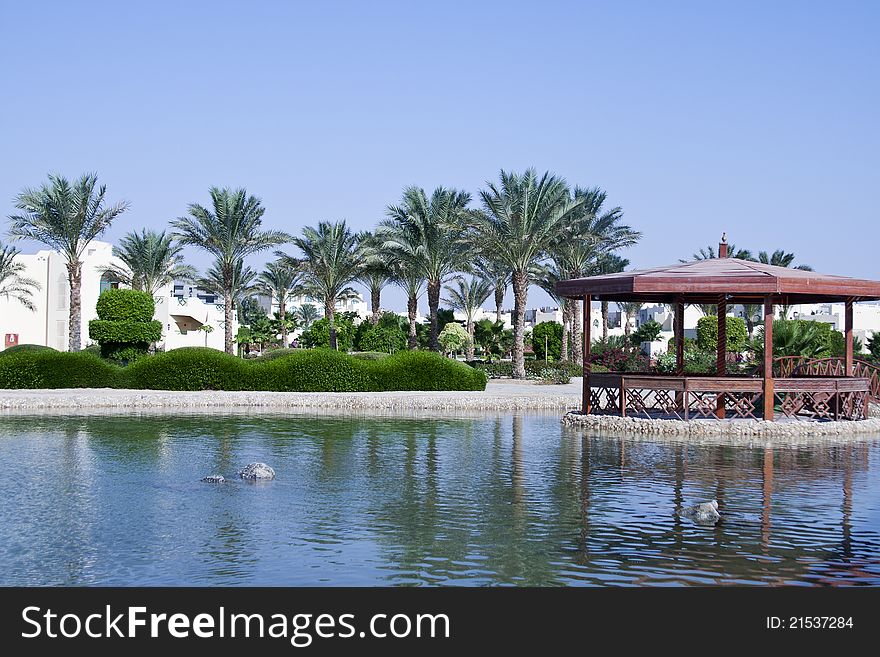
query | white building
[181, 315]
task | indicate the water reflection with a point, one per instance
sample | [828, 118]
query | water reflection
[499, 499]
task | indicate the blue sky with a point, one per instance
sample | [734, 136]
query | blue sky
[759, 119]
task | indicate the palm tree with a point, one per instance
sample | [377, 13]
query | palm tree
[709, 253]
[240, 285]
[468, 297]
[377, 272]
[65, 217]
[630, 309]
[230, 231]
[427, 235]
[523, 214]
[499, 275]
[780, 258]
[12, 284]
[591, 232]
[333, 259]
[608, 263]
[306, 314]
[281, 281]
[547, 276]
[152, 260]
[408, 278]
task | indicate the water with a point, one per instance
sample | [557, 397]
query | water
[489, 500]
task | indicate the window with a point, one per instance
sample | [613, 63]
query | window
[63, 292]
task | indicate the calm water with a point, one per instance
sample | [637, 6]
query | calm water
[476, 501]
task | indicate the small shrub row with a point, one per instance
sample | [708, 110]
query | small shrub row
[200, 368]
[534, 368]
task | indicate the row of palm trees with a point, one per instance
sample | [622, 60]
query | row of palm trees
[529, 229]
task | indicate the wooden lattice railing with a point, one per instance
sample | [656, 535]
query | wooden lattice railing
[796, 366]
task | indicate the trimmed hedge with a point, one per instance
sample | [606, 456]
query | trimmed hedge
[17, 349]
[120, 305]
[104, 330]
[504, 369]
[201, 368]
[47, 368]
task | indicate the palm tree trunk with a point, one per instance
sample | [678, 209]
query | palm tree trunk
[576, 325]
[330, 314]
[433, 306]
[604, 321]
[566, 331]
[412, 309]
[74, 277]
[470, 346]
[228, 312]
[499, 301]
[375, 301]
[282, 315]
[520, 298]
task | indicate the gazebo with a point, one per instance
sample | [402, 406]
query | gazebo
[834, 389]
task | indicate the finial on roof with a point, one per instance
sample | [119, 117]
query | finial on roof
[722, 246]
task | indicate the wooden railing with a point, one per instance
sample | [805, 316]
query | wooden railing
[689, 397]
[801, 366]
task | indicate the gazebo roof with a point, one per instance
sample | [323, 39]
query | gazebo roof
[704, 281]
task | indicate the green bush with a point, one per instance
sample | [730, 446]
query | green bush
[47, 368]
[386, 339]
[552, 333]
[647, 332]
[19, 348]
[272, 354]
[424, 370]
[189, 368]
[504, 369]
[200, 368]
[553, 376]
[707, 333]
[453, 338]
[874, 344]
[801, 337]
[125, 326]
[369, 355]
[318, 334]
[125, 306]
[696, 361]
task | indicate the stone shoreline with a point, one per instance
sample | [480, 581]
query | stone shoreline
[709, 427]
[495, 398]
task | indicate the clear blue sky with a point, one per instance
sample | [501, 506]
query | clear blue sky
[755, 118]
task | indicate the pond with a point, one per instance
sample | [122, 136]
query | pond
[493, 499]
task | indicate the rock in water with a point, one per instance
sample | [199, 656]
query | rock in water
[214, 479]
[705, 513]
[257, 471]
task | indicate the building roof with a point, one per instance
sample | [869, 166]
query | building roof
[704, 281]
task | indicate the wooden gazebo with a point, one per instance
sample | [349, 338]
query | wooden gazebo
[829, 390]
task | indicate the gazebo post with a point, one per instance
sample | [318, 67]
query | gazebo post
[769, 395]
[585, 389]
[721, 352]
[848, 335]
[678, 331]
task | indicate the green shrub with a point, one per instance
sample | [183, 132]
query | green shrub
[801, 337]
[19, 348]
[707, 333]
[453, 338]
[125, 326]
[189, 368]
[647, 332]
[272, 354]
[200, 368]
[504, 368]
[386, 339]
[313, 370]
[874, 344]
[696, 361]
[369, 355]
[318, 334]
[47, 368]
[425, 370]
[125, 306]
[551, 332]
